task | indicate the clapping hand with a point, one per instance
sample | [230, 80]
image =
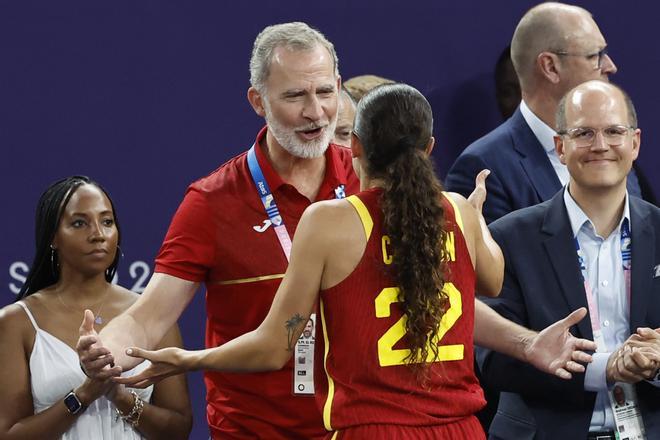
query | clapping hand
[96, 361]
[637, 359]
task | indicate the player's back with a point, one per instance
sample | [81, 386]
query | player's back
[362, 375]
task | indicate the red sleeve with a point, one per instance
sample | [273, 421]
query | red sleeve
[188, 251]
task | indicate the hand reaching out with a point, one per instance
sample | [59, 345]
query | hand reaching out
[556, 351]
[165, 362]
[478, 197]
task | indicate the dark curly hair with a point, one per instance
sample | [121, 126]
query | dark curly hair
[50, 207]
[394, 123]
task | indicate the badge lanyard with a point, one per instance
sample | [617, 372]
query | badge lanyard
[303, 377]
[627, 416]
[626, 258]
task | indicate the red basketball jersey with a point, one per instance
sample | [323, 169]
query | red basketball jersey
[362, 376]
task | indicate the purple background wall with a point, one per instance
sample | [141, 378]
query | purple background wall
[147, 96]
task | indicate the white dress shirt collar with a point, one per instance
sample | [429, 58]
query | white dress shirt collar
[545, 135]
[541, 130]
[578, 218]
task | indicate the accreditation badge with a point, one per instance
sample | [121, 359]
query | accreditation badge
[627, 416]
[303, 371]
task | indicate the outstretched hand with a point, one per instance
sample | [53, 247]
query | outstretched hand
[96, 361]
[165, 362]
[478, 196]
[556, 351]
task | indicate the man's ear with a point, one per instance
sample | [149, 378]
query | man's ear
[636, 142]
[256, 101]
[559, 148]
[548, 65]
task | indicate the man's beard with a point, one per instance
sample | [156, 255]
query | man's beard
[289, 140]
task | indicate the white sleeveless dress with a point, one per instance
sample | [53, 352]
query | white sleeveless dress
[55, 370]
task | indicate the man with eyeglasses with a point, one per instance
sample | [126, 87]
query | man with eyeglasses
[590, 245]
[554, 48]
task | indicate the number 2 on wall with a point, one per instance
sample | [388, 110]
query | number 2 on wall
[388, 356]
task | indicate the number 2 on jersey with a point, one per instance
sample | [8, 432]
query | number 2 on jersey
[388, 355]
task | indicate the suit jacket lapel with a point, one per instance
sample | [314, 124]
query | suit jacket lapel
[534, 159]
[643, 259]
[560, 248]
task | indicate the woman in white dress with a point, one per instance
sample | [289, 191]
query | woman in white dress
[47, 395]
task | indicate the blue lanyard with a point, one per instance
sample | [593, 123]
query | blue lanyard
[626, 249]
[268, 201]
[626, 259]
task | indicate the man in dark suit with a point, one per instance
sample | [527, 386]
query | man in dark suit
[554, 48]
[591, 245]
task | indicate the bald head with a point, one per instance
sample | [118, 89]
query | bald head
[551, 27]
[598, 141]
[609, 99]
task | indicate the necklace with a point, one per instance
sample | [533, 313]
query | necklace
[98, 319]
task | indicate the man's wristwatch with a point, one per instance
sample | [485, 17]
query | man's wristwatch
[73, 403]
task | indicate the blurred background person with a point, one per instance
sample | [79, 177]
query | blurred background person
[358, 86]
[345, 118]
[507, 87]
[47, 396]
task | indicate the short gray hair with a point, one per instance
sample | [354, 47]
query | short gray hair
[295, 36]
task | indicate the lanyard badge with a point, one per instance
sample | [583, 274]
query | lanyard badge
[622, 397]
[303, 372]
[627, 416]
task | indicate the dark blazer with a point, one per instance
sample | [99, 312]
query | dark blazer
[542, 284]
[521, 173]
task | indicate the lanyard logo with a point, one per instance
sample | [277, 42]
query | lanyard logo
[268, 201]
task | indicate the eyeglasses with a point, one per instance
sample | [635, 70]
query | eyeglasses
[585, 136]
[590, 56]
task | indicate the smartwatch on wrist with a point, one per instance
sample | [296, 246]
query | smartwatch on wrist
[73, 403]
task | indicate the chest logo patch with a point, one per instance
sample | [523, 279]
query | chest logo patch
[262, 227]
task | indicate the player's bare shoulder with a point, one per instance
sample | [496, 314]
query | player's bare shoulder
[328, 224]
[329, 214]
[465, 210]
[458, 200]
[468, 218]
